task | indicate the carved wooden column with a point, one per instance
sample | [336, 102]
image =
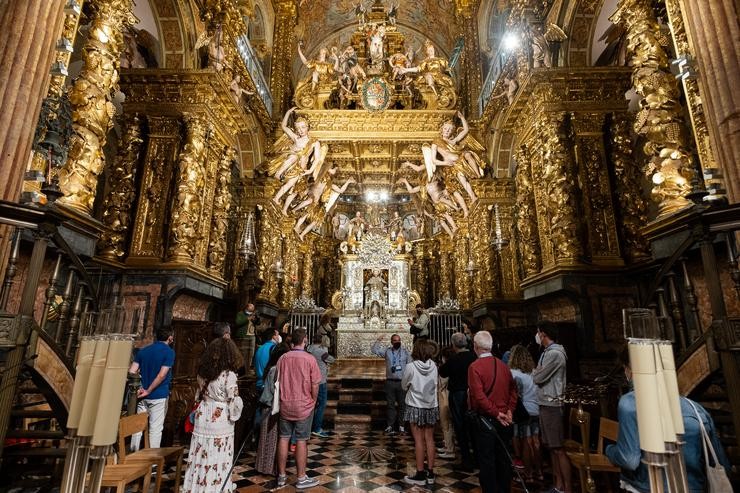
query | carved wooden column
[269, 247]
[445, 271]
[715, 34]
[306, 276]
[121, 192]
[283, 53]
[30, 30]
[147, 242]
[220, 217]
[660, 119]
[471, 59]
[92, 106]
[560, 191]
[190, 182]
[629, 180]
[526, 218]
[601, 224]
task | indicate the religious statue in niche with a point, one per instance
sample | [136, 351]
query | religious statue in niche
[339, 226]
[434, 71]
[411, 228]
[357, 226]
[320, 69]
[376, 295]
[376, 38]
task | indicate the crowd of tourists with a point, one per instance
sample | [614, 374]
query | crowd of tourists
[499, 416]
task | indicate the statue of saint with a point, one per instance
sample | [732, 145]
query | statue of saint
[375, 49]
[321, 69]
[434, 71]
[375, 294]
[357, 226]
[394, 226]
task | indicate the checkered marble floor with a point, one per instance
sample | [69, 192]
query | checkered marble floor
[333, 461]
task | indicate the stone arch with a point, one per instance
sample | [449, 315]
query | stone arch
[581, 23]
[178, 28]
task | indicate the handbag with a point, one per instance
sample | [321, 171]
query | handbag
[190, 419]
[717, 480]
[276, 395]
[521, 415]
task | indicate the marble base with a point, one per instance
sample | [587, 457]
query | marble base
[356, 336]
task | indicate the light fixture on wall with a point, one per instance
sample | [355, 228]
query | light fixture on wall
[248, 243]
[497, 238]
[470, 267]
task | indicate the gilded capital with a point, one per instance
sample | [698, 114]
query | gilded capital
[92, 106]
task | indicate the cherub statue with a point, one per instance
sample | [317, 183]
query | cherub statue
[237, 90]
[442, 205]
[302, 158]
[321, 69]
[216, 53]
[393, 14]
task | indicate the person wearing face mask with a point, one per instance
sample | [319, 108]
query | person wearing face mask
[549, 377]
[155, 363]
[396, 359]
[626, 453]
[419, 326]
[247, 322]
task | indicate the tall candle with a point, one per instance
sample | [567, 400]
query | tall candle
[92, 392]
[82, 372]
[664, 410]
[669, 374]
[644, 378]
[111, 394]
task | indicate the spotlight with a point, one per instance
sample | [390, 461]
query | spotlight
[510, 41]
[384, 195]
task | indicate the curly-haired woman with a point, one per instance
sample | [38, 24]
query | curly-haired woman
[212, 446]
[527, 433]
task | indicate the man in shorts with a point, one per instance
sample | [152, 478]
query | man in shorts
[299, 377]
[549, 376]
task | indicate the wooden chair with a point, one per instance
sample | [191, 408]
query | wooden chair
[586, 461]
[139, 423]
[571, 444]
[118, 476]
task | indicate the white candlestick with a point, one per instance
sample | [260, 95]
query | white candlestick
[92, 392]
[669, 374]
[650, 428]
[82, 374]
[111, 394]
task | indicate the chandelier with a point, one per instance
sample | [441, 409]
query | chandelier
[248, 242]
[498, 241]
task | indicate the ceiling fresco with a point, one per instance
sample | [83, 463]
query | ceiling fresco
[331, 22]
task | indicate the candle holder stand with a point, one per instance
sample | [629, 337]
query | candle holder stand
[98, 457]
[656, 464]
[676, 468]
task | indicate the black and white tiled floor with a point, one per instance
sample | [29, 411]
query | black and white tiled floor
[333, 461]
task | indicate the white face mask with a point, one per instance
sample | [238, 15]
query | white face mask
[280, 339]
[538, 339]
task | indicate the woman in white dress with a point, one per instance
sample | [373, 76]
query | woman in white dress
[212, 446]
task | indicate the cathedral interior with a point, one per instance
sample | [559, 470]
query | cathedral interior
[500, 162]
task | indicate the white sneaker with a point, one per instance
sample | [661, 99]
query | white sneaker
[446, 455]
[306, 482]
[401, 429]
[389, 430]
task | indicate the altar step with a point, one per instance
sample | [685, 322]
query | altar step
[356, 399]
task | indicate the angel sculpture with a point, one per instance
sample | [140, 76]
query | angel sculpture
[349, 65]
[361, 13]
[511, 87]
[216, 53]
[300, 159]
[541, 55]
[441, 206]
[434, 71]
[393, 14]
[321, 69]
[323, 200]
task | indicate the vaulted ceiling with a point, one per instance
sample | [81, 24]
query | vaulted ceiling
[331, 22]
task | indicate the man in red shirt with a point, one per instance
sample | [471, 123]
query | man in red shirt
[299, 377]
[492, 394]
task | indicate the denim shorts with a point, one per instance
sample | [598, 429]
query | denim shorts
[301, 430]
[529, 428]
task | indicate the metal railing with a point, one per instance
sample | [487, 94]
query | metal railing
[247, 54]
[498, 63]
[442, 324]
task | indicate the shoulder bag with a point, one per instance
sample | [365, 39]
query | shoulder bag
[276, 394]
[717, 480]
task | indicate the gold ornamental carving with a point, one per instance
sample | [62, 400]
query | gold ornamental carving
[629, 180]
[121, 196]
[526, 219]
[284, 43]
[660, 119]
[92, 106]
[601, 227]
[559, 182]
[161, 156]
[190, 182]
[220, 216]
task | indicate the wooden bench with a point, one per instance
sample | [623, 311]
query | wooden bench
[139, 423]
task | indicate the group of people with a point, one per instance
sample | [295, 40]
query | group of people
[497, 412]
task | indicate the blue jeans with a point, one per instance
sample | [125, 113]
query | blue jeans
[318, 413]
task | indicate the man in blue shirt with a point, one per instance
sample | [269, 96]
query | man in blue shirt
[154, 362]
[627, 455]
[272, 338]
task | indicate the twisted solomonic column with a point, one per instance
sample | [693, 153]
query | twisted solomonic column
[92, 106]
[220, 216]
